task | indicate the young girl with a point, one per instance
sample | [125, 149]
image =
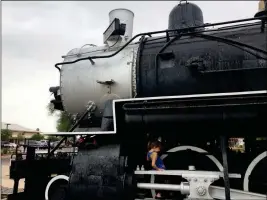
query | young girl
[156, 162]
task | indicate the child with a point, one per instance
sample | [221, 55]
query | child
[156, 162]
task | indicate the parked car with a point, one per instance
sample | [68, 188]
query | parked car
[44, 143]
[8, 144]
[12, 145]
[54, 144]
[34, 143]
[4, 143]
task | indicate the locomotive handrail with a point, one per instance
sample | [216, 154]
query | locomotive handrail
[211, 37]
[164, 31]
[79, 53]
[72, 128]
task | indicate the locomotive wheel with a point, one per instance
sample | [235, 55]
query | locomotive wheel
[192, 149]
[255, 179]
[97, 174]
[195, 149]
[59, 193]
[56, 188]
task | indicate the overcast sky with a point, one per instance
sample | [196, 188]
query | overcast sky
[36, 34]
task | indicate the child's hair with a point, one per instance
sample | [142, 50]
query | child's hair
[154, 144]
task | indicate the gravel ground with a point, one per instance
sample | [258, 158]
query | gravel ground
[5, 190]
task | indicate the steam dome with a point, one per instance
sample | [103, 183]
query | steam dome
[185, 15]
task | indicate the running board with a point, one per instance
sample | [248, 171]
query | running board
[206, 109]
[165, 104]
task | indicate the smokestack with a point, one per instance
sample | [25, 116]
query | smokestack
[126, 17]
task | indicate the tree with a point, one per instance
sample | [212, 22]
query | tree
[6, 134]
[37, 137]
[20, 137]
[64, 121]
[53, 138]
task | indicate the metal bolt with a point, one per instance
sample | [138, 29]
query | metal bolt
[205, 180]
[195, 180]
[201, 191]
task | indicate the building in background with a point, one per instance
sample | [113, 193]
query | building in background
[19, 131]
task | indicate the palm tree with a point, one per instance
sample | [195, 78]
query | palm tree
[64, 121]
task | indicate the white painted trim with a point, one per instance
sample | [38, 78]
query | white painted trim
[219, 193]
[64, 177]
[196, 149]
[250, 168]
[156, 98]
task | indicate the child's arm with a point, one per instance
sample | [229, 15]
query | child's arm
[154, 157]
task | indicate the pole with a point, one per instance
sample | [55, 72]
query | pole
[7, 127]
[225, 168]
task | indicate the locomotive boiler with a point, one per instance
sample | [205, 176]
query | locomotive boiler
[194, 86]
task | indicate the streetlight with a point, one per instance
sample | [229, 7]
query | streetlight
[7, 126]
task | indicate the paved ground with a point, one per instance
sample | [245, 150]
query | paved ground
[5, 181]
[5, 160]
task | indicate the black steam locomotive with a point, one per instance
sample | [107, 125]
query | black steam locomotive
[194, 88]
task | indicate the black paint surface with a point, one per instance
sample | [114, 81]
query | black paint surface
[173, 75]
[95, 174]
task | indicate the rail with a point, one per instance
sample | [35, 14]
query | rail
[90, 106]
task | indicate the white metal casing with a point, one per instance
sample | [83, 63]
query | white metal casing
[78, 81]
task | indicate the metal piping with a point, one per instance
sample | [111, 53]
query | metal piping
[71, 129]
[156, 186]
[183, 173]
